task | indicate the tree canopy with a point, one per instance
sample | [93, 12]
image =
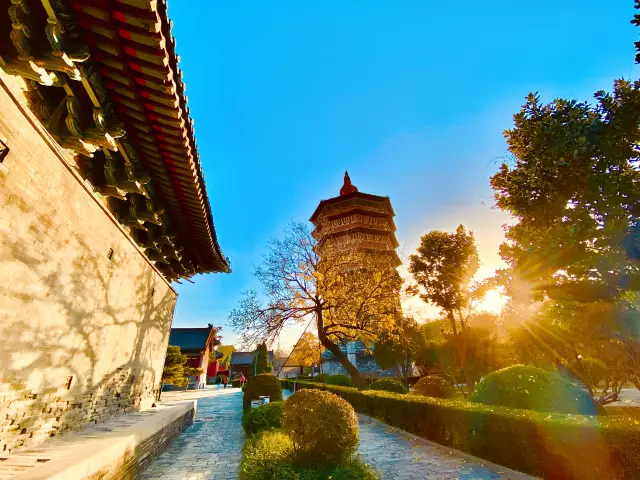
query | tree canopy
[173, 371]
[397, 348]
[261, 363]
[306, 353]
[349, 296]
[573, 186]
[226, 351]
[443, 269]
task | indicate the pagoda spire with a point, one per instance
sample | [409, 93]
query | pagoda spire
[348, 187]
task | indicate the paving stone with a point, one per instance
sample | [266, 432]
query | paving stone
[211, 448]
[397, 455]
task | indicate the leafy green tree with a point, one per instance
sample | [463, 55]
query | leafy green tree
[261, 363]
[397, 348]
[443, 269]
[428, 357]
[173, 371]
[573, 187]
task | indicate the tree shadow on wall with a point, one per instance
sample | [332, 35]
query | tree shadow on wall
[82, 332]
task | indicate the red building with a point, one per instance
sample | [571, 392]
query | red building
[196, 344]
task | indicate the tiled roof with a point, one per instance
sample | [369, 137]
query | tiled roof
[102, 77]
[136, 52]
[242, 358]
[189, 338]
[245, 358]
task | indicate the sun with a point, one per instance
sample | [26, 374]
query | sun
[493, 302]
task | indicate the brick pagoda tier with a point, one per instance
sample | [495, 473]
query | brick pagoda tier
[355, 222]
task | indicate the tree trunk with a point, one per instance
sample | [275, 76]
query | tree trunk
[459, 338]
[335, 349]
[405, 374]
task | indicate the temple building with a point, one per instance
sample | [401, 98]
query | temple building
[199, 346]
[102, 205]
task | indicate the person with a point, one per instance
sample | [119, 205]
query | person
[242, 380]
[225, 380]
[219, 382]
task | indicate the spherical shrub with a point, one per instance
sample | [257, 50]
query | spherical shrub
[263, 418]
[323, 426]
[531, 388]
[388, 385]
[261, 385]
[339, 379]
[434, 386]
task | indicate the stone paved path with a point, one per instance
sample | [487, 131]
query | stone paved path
[398, 455]
[211, 448]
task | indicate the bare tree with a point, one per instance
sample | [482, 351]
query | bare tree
[350, 295]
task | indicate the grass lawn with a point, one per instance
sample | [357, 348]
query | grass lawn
[268, 455]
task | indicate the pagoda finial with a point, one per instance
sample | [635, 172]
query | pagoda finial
[348, 187]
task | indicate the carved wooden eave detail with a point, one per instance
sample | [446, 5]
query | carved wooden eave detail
[356, 222]
[103, 79]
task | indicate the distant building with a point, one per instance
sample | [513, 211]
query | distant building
[361, 356]
[196, 344]
[241, 362]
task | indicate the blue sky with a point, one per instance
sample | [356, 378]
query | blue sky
[411, 97]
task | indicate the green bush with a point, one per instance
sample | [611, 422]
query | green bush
[269, 455]
[263, 418]
[388, 385]
[547, 445]
[261, 385]
[322, 425]
[339, 379]
[434, 386]
[531, 388]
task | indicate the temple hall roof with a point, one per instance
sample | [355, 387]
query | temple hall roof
[190, 338]
[104, 80]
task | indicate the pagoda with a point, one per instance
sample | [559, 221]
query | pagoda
[355, 222]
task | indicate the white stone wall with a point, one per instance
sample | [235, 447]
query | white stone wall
[82, 335]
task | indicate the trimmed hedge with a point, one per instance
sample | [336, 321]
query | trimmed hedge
[262, 418]
[388, 385]
[339, 379]
[549, 445]
[532, 388]
[261, 385]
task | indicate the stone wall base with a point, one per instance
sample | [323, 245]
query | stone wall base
[120, 449]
